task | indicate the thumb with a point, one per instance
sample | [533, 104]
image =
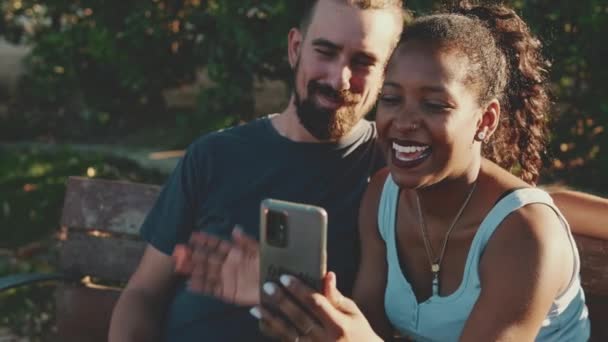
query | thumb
[247, 244]
[182, 257]
[330, 290]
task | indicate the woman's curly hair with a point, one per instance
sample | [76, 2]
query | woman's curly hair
[506, 63]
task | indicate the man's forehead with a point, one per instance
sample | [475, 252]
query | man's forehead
[347, 26]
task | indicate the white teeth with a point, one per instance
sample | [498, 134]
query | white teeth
[409, 149]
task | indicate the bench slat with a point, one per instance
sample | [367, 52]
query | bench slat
[84, 313]
[598, 314]
[594, 264]
[114, 206]
[109, 258]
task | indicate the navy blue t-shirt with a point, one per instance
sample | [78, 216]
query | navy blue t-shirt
[221, 181]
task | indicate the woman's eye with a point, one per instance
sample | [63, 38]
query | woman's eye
[437, 107]
[389, 99]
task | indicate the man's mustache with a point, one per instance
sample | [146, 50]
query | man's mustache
[345, 97]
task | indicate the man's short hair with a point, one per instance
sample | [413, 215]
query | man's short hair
[308, 8]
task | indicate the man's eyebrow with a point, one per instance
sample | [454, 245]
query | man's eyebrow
[326, 43]
[367, 56]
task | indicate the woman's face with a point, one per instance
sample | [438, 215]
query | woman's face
[428, 116]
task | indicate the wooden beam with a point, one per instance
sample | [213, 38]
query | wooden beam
[109, 258]
[594, 264]
[114, 206]
[83, 314]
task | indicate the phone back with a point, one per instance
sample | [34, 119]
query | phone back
[292, 241]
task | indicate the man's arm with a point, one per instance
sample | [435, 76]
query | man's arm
[587, 214]
[142, 305]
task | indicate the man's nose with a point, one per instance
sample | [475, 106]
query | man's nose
[340, 76]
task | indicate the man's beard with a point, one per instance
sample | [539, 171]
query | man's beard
[327, 124]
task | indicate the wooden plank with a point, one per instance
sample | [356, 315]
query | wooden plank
[83, 314]
[109, 258]
[594, 264]
[115, 206]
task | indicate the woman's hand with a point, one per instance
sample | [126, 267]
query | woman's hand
[312, 316]
[227, 270]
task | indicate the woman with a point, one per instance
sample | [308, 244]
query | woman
[454, 245]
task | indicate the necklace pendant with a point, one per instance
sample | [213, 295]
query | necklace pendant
[436, 282]
[435, 268]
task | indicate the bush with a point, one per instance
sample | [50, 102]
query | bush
[97, 65]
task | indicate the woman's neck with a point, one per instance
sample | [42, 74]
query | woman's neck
[444, 199]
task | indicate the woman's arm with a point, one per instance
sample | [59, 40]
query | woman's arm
[522, 271]
[587, 214]
[370, 283]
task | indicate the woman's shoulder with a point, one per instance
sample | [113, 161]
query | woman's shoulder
[531, 227]
[531, 216]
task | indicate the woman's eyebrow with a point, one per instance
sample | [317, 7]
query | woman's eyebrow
[434, 89]
[391, 84]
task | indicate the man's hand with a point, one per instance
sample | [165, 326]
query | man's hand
[223, 269]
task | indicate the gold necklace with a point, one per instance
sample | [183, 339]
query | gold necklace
[436, 262]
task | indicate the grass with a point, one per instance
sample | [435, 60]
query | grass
[32, 187]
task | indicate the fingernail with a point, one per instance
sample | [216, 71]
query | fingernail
[285, 280]
[269, 288]
[255, 312]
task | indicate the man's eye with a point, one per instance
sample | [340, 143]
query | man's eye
[363, 63]
[326, 53]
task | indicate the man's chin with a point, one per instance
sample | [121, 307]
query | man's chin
[330, 132]
[326, 124]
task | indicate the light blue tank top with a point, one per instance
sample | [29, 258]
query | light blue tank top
[443, 318]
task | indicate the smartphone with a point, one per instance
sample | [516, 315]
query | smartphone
[293, 239]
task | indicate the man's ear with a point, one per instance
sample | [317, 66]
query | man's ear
[294, 45]
[489, 120]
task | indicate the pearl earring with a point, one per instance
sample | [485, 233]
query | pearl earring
[481, 136]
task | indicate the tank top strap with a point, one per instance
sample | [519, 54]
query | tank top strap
[387, 211]
[513, 201]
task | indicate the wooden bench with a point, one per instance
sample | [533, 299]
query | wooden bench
[100, 249]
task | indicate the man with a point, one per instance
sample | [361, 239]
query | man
[319, 150]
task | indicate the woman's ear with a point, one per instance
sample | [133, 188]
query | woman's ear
[488, 122]
[294, 44]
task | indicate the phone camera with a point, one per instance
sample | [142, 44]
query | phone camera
[276, 229]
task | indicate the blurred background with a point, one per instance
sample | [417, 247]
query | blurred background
[117, 89]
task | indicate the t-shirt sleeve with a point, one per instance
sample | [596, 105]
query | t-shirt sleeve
[172, 218]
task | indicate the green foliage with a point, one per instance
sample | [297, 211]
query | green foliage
[572, 33]
[97, 66]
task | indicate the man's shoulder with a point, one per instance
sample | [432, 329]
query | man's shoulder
[249, 132]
